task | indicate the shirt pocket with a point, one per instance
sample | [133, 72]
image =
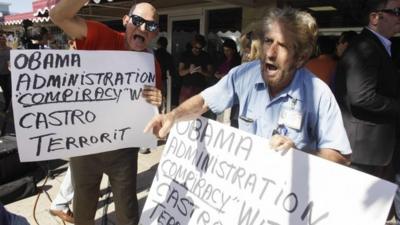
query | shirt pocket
[305, 139]
[248, 123]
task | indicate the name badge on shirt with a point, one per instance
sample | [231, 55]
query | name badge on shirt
[290, 118]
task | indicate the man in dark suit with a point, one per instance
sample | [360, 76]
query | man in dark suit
[367, 89]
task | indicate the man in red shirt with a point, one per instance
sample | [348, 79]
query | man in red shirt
[121, 165]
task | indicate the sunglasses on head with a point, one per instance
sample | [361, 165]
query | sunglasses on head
[395, 11]
[150, 26]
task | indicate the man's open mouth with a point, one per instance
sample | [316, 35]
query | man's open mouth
[137, 37]
[270, 67]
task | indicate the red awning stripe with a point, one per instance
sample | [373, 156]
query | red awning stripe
[34, 20]
[18, 18]
[40, 8]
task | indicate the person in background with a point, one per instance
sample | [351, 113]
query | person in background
[9, 40]
[245, 45]
[60, 205]
[195, 69]
[167, 66]
[5, 74]
[231, 58]
[345, 38]
[269, 89]
[367, 89]
[323, 65]
[120, 165]
[71, 44]
[166, 62]
[40, 38]
[250, 44]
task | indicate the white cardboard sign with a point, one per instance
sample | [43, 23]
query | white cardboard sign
[212, 174]
[71, 103]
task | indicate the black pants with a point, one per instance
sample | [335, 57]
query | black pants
[87, 172]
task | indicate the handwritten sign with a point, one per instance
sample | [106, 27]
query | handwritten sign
[211, 174]
[71, 103]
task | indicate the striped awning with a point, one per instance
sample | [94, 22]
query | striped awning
[41, 8]
[18, 18]
[40, 12]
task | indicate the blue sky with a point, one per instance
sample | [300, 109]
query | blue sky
[19, 6]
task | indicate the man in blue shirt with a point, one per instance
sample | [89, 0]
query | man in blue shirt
[278, 98]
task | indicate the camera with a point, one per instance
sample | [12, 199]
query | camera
[32, 36]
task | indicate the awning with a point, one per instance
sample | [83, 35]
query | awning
[41, 7]
[40, 12]
[18, 18]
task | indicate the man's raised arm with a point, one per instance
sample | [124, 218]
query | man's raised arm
[64, 16]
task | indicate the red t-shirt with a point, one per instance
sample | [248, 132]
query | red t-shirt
[101, 37]
[324, 66]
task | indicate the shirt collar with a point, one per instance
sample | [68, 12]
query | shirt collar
[293, 90]
[386, 42]
[259, 81]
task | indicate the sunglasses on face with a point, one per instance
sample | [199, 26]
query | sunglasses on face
[395, 11]
[150, 26]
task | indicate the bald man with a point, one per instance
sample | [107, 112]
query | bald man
[121, 165]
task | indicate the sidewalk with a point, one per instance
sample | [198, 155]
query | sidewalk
[147, 167]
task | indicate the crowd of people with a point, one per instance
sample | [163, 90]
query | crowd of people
[338, 99]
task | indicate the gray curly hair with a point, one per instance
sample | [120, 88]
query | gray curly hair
[300, 25]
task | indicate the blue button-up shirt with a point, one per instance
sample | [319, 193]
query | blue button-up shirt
[321, 124]
[385, 42]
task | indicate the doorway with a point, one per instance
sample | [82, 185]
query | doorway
[182, 31]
